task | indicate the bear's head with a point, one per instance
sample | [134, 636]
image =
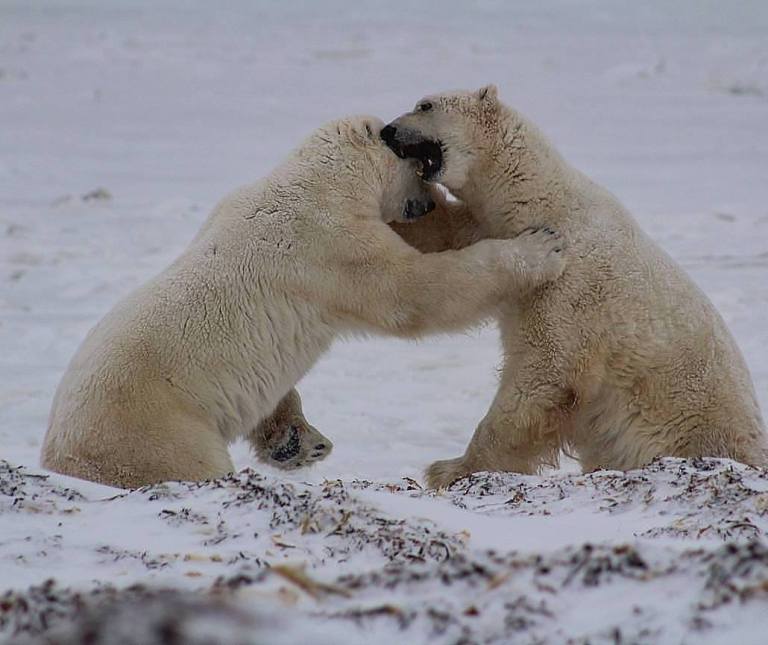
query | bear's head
[357, 158]
[447, 134]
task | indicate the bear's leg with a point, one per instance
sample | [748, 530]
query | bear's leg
[131, 456]
[622, 435]
[198, 455]
[286, 440]
[522, 432]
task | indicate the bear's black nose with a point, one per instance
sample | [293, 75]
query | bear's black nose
[389, 136]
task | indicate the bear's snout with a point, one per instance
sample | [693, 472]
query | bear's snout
[389, 136]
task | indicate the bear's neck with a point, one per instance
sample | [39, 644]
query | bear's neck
[520, 182]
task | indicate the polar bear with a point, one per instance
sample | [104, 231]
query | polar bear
[619, 361]
[211, 349]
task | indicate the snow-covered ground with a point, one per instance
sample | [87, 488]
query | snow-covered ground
[121, 124]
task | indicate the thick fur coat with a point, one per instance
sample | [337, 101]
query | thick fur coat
[209, 349]
[623, 358]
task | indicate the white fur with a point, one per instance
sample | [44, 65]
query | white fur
[622, 359]
[208, 349]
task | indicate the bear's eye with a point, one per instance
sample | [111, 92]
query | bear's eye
[425, 107]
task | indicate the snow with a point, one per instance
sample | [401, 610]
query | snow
[124, 123]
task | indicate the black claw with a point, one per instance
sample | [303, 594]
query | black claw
[320, 446]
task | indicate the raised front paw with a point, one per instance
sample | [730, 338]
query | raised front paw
[295, 445]
[541, 251]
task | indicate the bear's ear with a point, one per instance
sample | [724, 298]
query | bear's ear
[366, 131]
[488, 94]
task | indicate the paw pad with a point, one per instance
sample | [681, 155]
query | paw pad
[290, 447]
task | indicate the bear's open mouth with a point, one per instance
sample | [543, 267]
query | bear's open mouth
[430, 155]
[427, 152]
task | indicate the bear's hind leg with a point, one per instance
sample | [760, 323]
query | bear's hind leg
[522, 433]
[133, 456]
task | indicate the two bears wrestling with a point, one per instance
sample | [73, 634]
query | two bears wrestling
[611, 352]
